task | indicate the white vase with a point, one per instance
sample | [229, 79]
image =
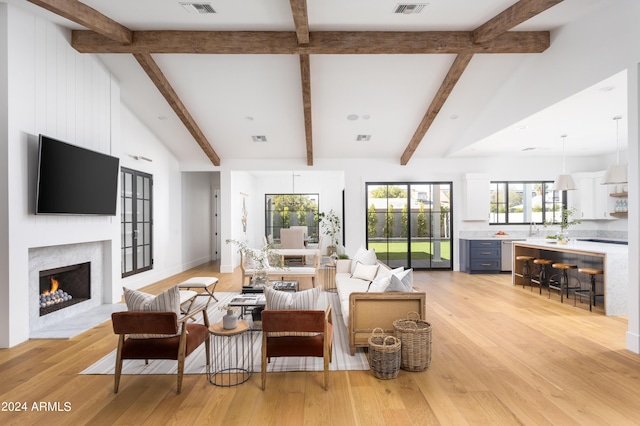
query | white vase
[229, 320]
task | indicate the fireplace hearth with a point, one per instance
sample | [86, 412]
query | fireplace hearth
[64, 287]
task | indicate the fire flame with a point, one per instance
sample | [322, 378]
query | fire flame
[54, 286]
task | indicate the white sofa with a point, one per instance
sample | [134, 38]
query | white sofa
[364, 310]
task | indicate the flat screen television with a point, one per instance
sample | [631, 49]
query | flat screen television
[74, 180]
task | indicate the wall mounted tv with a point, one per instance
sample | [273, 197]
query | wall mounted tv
[74, 180]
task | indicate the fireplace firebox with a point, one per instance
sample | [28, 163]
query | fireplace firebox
[63, 287]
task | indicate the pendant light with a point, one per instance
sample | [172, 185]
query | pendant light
[564, 182]
[616, 173]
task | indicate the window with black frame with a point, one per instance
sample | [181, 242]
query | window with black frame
[136, 221]
[287, 210]
[523, 202]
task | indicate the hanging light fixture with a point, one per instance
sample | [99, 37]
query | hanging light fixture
[616, 173]
[564, 182]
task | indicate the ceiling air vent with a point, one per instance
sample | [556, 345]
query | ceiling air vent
[198, 7]
[259, 138]
[409, 8]
[363, 138]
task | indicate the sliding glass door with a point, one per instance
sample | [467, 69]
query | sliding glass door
[409, 224]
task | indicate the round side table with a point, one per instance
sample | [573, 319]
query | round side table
[231, 353]
[330, 277]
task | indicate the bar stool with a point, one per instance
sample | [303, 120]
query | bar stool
[526, 270]
[591, 292]
[563, 283]
[543, 274]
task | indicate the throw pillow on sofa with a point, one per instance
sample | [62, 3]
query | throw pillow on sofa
[167, 301]
[402, 281]
[365, 272]
[383, 279]
[366, 257]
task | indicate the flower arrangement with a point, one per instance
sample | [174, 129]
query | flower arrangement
[262, 257]
[228, 308]
[566, 221]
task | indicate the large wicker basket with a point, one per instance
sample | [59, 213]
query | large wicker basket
[415, 335]
[384, 355]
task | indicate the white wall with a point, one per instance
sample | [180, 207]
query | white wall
[47, 87]
[5, 260]
[54, 90]
[138, 140]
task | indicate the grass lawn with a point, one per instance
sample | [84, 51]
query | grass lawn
[419, 250]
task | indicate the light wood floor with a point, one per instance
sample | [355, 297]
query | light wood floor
[501, 355]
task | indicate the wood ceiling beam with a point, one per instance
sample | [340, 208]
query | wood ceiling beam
[155, 74]
[510, 18]
[454, 74]
[326, 42]
[301, 20]
[305, 74]
[111, 30]
[88, 17]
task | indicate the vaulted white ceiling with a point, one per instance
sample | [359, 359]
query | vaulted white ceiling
[233, 97]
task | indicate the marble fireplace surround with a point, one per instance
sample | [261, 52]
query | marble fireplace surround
[44, 258]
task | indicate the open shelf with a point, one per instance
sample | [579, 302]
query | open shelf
[619, 194]
[619, 214]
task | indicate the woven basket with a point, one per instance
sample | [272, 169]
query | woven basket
[415, 335]
[384, 355]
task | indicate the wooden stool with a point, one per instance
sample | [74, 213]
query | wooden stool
[592, 272]
[563, 284]
[543, 274]
[526, 270]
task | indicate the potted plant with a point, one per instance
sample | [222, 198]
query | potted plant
[330, 223]
[565, 222]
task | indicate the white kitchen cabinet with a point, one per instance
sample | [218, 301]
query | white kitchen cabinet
[476, 197]
[590, 198]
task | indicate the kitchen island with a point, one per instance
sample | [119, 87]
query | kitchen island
[613, 259]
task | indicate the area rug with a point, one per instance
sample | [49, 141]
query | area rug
[195, 363]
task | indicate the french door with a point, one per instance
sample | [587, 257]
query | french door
[409, 224]
[136, 221]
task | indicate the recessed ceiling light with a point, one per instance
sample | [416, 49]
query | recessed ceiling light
[162, 117]
[453, 116]
[259, 138]
[531, 148]
[366, 117]
[363, 138]
[606, 89]
[523, 127]
[249, 118]
[352, 117]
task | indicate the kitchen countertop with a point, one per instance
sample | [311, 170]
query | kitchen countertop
[573, 245]
[507, 238]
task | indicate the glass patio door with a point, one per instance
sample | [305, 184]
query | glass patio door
[409, 224]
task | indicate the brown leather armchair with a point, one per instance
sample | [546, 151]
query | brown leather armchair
[296, 333]
[185, 340]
